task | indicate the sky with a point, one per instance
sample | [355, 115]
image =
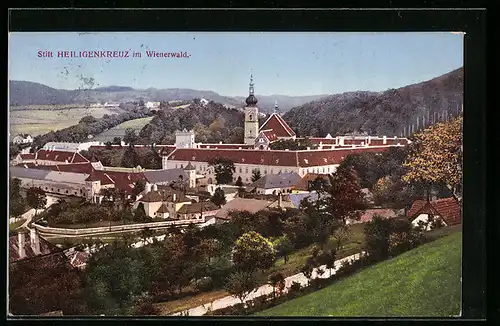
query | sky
[284, 63]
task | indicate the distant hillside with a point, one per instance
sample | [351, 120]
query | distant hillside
[382, 113]
[24, 93]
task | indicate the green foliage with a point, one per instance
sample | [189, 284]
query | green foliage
[253, 252]
[35, 198]
[239, 182]
[117, 141]
[88, 120]
[140, 214]
[241, 283]
[116, 274]
[283, 247]
[219, 197]
[16, 201]
[256, 175]
[130, 159]
[224, 169]
[385, 113]
[130, 136]
[209, 122]
[139, 186]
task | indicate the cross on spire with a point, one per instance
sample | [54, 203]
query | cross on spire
[251, 89]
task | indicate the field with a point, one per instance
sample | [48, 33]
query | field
[119, 131]
[425, 281]
[15, 225]
[43, 119]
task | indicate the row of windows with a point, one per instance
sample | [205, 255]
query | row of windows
[75, 192]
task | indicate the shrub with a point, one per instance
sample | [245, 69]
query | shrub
[204, 284]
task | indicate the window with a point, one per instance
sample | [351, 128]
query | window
[250, 118]
[241, 170]
[246, 179]
[67, 191]
[265, 171]
[176, 166]
[182, 166]
[246, 171]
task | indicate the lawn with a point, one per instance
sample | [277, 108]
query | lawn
[44, 119]
[422, 282]
[298, 258]
[119, 131]
[171, 307]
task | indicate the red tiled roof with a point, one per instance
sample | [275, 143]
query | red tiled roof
[280, 127]
[309, 177]
[30, 156]
[60, 156]
[226, 146]
[368, 214]
[270, 135]
[270, 157]
[448, 208]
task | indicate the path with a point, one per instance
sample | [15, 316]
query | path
[266, 289]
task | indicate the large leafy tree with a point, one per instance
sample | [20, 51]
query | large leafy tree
[16, 202]
[130, 159]
[253, 252]
[35, 198]
[130, 136]
[219, 197]
[436, 156]
[241, 283]
[224, 169]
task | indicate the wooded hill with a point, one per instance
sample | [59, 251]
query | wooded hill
[382, 113]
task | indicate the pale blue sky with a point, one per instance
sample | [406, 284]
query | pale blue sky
[282, 63]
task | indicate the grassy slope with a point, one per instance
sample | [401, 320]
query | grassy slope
[38, 121]
[119, 131]
[422, 282]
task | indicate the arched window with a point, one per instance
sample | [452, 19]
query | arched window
[250, 117]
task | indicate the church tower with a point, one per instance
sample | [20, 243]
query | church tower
[251, 116]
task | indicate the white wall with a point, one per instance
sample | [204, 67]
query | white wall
[245, 170]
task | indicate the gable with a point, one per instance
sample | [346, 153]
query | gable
[278, 125]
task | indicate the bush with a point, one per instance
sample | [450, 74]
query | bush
[204, 284]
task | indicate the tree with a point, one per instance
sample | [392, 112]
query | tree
[341, 235]
[88, 120]
[108, 145]
[253, 252]
[139, 186]
[130, 136]
[219, 197]
[283, 247]
[240, 284]
[130, 159]
[16, 202]
[140, 213]
[377, 233]
[239, 182]
[344, 199]
[256, 175]
[224, 169]
[436, 156]
[117, 141]
[152, 160]
[277, 280]
[307, 269]
[36, 199]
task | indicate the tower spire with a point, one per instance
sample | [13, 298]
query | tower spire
[251, 89]
[276, 109]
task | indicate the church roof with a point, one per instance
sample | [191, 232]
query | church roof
[189, 166]
[278, 125]
[163, 209]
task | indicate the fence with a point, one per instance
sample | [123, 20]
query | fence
[116, 228]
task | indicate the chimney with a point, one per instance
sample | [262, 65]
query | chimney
[148, 187]
[308, 148]
[369, 139]
[20, 245]
[385, 139]
[280, 201]
[155, 187]
[35, 242]
[174, 197]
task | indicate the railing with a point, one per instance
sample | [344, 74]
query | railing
[115, 228]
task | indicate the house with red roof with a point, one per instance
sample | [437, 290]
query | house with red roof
[50, 157]
[448, 210]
